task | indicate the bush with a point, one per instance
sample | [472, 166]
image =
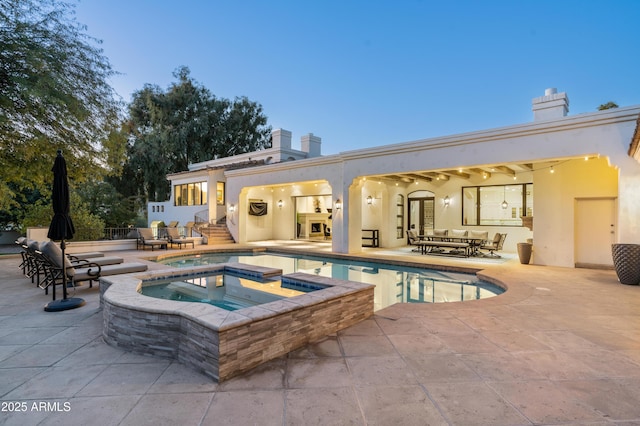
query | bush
[89, 227]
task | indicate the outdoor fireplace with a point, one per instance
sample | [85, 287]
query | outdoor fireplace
[316, 227]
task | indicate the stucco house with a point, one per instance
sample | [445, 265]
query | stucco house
[569, 183]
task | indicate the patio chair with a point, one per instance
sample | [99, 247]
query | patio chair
[146, 238]
[495, 245]
[477, 240]
[173, 237]
[327, 231]
[412, 236]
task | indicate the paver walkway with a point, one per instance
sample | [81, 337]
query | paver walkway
[561, 346]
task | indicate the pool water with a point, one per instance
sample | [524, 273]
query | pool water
[226, 291]
[394, 284]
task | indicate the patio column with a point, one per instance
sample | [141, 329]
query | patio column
[346, 221]
[212, 206]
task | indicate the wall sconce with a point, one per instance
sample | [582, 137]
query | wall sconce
[232, 208]
[369, 200]
[447, 201]
[280, 204]
[338, 204]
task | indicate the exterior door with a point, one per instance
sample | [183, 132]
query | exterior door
[595, 231]
[421, 214]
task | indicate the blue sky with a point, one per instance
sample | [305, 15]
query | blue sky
[368, 73]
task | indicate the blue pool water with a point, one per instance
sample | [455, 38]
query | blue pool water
[394, 284]
[227, 291]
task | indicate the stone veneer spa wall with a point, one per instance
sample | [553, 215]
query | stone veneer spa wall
[220, 343]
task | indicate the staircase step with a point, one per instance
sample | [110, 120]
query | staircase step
[217, 234]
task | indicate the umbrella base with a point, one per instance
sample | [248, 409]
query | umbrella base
[64, 304]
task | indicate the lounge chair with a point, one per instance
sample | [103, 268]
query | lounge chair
[173, 237]
[495, 245]
[146, 238]
[51, 258]
[78, 260]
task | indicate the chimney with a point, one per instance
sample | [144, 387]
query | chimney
[550, 106]
[281, 139]
[311, 145]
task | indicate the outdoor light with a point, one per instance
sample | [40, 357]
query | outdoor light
[551, 170]
[369, 200]
[280, 203]
[338, 204]
[504, 197]
[232, 208]
[447, 200]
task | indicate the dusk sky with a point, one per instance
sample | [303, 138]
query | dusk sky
[367, 73]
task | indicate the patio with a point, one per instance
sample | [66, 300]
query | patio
[560, 346]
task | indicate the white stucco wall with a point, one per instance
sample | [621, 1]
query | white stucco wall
[606, 134]
[554, 200]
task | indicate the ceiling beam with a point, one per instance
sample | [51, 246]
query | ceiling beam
[506, 170]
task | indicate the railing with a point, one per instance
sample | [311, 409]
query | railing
[94, 234]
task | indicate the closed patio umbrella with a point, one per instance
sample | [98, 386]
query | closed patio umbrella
[61, 228]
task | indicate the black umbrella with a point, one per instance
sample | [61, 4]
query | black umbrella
[61, 228]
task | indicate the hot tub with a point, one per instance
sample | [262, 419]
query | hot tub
[222, 343]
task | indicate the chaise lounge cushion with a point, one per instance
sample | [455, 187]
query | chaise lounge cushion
[54, 252]
[147, 238]
[175, 238]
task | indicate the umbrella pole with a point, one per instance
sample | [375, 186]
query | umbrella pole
[64, 271]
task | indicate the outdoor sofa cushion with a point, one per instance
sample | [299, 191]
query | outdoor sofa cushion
[458, 233]
[484, 235]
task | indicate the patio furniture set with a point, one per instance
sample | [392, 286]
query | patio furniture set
[459, 243]
[42, 262]
[172, 237]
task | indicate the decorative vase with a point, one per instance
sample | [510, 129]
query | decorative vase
[524, 252]
[626, 260]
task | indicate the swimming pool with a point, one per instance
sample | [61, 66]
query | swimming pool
[393, 284]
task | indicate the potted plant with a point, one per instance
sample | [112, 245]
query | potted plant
[626, 261]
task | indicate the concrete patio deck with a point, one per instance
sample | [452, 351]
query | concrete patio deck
[561, 346]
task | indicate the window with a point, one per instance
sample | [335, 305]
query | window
[399, 216]
[190, 194]
[220, 193]
[498, 205]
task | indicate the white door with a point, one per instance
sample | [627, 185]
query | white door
[595, 226]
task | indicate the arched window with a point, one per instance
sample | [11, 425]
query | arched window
[400, 216]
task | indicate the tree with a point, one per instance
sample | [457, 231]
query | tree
[53, 95]
[102, 199]
[188, 124]
[608, 105]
